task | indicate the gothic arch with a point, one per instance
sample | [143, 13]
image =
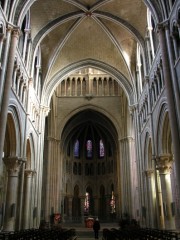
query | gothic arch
[91, 107]
[147, 152]
[68, 189]
[166, 135]
[13, 138]
[30, 153]
[160, 128]
[123, 82]
[79, 184]
[10, 144]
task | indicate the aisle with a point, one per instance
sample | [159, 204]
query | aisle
[84, 233]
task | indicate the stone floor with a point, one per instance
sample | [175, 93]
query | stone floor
[84, 233]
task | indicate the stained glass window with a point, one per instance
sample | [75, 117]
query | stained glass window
[89, 149]
[76, 149]
[113, 203]
[101, 148]
[86, 203]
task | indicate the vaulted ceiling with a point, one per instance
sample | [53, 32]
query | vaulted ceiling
[75, 33]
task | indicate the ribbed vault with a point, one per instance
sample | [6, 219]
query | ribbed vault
[89, 123]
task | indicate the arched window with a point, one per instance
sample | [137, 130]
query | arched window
[86, 204]
[101, 148]
[89, 149]
[76, 149]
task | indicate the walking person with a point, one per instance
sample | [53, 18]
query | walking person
[96, 228]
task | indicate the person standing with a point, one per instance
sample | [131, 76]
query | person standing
[96, 228]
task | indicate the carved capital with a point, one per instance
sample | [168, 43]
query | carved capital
[164, 163]
[45, 109]
[149, 173]
[29, 172]
[16, 32]
[13, 165]
[132, 108]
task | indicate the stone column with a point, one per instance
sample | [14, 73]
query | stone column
[25, 47]
[27, 198]
[149, 175]
[170, 97]
[7, 88]
[13, 167]
[173, 73]
[65, 87]
[48, 182]
[97, 86]
[81, 81]
[164, 165]
[37, 180]
[1, 45]
[76, 81]
[6, 46]
[125, 173]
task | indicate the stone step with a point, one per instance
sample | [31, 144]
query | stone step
[87, 234]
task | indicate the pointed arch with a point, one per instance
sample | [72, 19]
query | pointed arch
[163, 122]
[148, 152]
[13, 136]
[166, 135]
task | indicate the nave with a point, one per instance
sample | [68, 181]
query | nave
[89, 114]
[108, 231]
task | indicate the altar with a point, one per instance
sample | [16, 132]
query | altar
[89, 222]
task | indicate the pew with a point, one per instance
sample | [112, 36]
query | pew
[40, 234]
[140, 233]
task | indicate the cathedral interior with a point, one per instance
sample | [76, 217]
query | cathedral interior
[89, 112]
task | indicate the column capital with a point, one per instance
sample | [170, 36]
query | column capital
[164, 163]
[149, 172]
[29, 172]
[162, 26]
[27, 30]
[13, 165]
[132, 108]
[15, 30]
[146, 78]
[46, 109]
